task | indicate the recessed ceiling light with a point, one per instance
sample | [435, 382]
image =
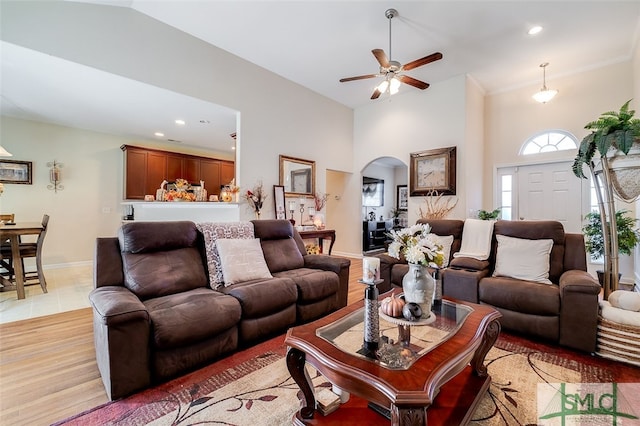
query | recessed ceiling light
[159, 134]
[233, 148]
[180, 122]
[534, 30]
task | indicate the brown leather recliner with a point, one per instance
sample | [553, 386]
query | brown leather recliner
[565, 311]
[156, 317]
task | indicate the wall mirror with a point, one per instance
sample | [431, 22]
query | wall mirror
[298, 176]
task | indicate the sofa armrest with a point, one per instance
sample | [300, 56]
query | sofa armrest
[469, 263]
[386, 266]
[339, 265]
[117, 305]
[462, 284]
[121, 330]
[578, 310]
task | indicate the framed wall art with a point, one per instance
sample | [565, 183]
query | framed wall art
[433, 172]
[402, 197]
[13, 171]
[278, 200]
[372, 192]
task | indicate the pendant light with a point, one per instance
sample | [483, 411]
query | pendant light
[545, 94]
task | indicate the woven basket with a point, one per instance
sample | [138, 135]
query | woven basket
[619, 342]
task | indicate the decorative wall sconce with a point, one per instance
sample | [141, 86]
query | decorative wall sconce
[55, 176]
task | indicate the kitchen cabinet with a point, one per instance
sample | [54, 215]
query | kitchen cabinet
[145, 169]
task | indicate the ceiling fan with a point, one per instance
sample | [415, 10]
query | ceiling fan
[392, 71]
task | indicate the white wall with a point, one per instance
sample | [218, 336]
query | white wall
[92, 180]
[276, 115]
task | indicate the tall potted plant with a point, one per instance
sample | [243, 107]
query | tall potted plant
[628, 237]
[616, 137]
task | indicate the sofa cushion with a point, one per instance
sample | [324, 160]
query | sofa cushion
[148, 237]
[191, 316]
[242, 260]
[445, 241]
[282, 255]
[259, 298]
[538, 230]
[313, 284]
[213, 231]
[527, 297]
[523, 259]
[627, 300]
[162, 273]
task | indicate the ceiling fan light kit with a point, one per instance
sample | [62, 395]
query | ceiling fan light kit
[545, 94]
[392, 71]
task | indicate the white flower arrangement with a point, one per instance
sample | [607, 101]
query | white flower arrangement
[416, 245]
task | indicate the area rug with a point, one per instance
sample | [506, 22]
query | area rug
[253, 387]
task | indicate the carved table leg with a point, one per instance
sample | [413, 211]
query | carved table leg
[489, 338]
[296, 367]
[408, 416]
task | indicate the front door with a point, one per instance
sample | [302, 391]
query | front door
[548, 192]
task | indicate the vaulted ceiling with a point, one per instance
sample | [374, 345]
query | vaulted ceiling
[315, 43]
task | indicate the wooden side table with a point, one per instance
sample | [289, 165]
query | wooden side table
[320, 234]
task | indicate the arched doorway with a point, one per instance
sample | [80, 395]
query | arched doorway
[383, 179]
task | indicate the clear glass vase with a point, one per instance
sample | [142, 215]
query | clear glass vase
[418, 287]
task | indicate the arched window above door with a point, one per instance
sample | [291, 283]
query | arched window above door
[549, 141]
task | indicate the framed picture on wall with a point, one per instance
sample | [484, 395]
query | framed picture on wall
[433, 172]
[13, 171]
[278, 200]
[402, 197]
[301, 181]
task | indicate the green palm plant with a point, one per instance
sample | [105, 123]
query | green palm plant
[612, 129]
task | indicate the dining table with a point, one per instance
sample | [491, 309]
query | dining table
[12, 232]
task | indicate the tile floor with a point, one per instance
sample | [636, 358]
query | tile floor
[68, 289]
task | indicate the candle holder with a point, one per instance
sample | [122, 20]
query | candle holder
[371, 319]
[301, 210]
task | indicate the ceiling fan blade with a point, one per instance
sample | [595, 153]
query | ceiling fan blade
[422, 61]
[360, 77]
[376, 94]
[381, 57]
[413, 82]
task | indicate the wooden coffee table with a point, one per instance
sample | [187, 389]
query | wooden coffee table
[440, 375]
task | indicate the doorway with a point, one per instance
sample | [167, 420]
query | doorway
[547, 191]
[380, 182]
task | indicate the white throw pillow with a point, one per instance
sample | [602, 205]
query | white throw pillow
[446, 242]
[523, 259]
[214, 231]
[627, 300]
[242, 260]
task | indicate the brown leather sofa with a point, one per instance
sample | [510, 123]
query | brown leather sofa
[565, 311]
[156, 317]
[392, 270]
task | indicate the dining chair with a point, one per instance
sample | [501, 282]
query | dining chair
[30, 250]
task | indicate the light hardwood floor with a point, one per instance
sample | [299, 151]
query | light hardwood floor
[48, 369]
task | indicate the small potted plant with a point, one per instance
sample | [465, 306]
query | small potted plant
[395, 214]
[628, 237]
[492, 215]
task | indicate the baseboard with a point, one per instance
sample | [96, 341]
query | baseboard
[67, 265]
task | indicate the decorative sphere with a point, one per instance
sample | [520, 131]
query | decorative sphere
[412, 311]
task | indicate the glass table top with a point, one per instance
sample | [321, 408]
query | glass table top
[347, 334]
